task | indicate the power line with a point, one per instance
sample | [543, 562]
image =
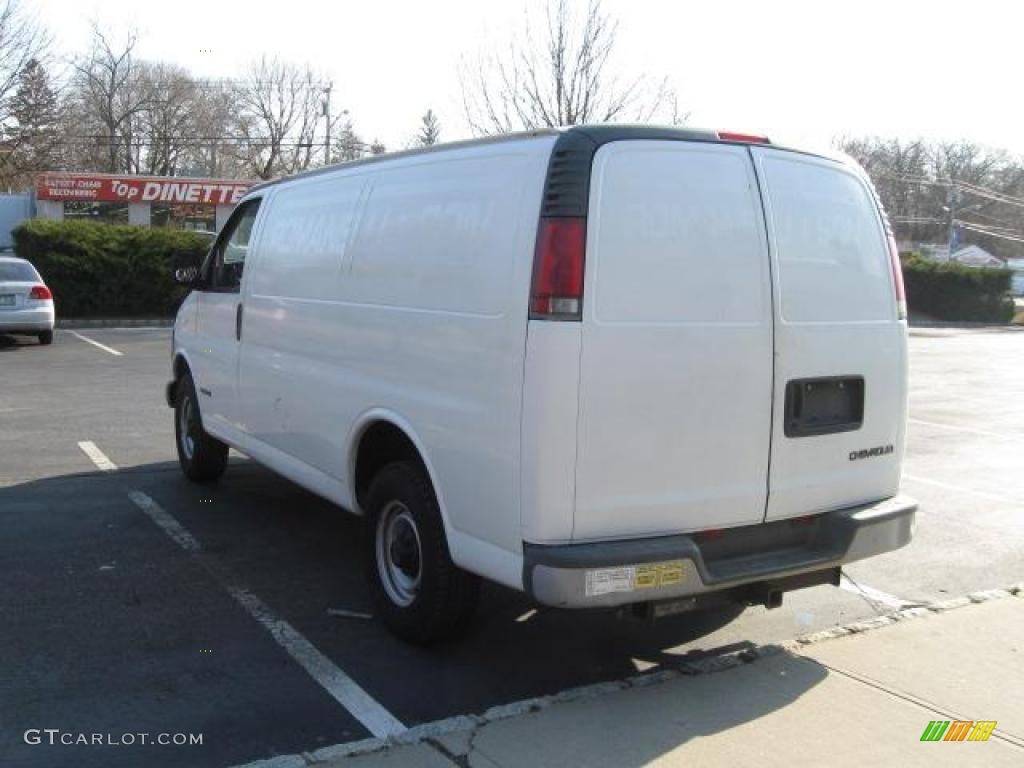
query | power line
[980, 189]
[999, 198]
[972, 189]
[989, 233]
[990, 218]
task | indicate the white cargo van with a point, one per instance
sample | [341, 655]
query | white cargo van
[608, 366]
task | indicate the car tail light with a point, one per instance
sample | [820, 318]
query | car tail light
[557, 291]
[897, 278]
[743, 138]
[40, 293]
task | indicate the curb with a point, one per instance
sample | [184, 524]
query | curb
[115, 322]
[434, 733]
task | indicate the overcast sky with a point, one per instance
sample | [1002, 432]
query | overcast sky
[801, 72]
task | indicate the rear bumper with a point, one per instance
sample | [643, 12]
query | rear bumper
[31, 320]
[642, 570]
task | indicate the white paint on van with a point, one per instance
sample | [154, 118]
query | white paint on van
[835, 315]
[714, 274]
[675, 375]
[403, 284]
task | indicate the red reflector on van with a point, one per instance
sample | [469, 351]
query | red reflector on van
[897, 279]
[711, 533]
[557, 292]
[745, 138]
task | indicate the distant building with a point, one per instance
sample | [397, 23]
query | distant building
[976, 256]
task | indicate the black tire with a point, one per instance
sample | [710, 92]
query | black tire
[203, 458]
[443, 602]
[46, 337]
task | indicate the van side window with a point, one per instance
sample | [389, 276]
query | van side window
[228, 256]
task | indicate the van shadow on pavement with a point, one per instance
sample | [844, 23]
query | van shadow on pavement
[114, 628]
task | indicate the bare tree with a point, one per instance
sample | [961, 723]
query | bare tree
[168, 125]
[559, 75]
[430, 130]
[279, 107]
[212, 148]
[916, 180]
[110, 93]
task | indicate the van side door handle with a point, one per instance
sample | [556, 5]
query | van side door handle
[238, 322]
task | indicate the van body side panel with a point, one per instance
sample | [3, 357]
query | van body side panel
[290, 369]
[836, 318]
[411, 296]
[676, 368]
[216, 361]
[550, 407]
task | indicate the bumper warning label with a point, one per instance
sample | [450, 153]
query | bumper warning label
[603, 581]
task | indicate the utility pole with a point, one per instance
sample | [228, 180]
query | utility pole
[327, 127]
[952, 199]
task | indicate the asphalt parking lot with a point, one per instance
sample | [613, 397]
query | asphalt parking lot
[132, 601]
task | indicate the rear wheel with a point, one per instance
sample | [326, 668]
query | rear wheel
[46, 337]
[202, 457]
[418, 592]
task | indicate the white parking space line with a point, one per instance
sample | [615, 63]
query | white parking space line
[970, 430]
[875, 595]
[167, 524]
[962, 489]
[331, 678]
[95, 343]
[99, 458]
[342, 688]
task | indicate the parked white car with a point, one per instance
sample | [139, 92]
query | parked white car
[607, 366]
[26, 303]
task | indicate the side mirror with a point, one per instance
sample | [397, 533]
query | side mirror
[187, 268]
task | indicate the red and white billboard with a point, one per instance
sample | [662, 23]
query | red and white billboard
[101, 187]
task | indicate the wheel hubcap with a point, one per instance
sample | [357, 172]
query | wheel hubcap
[399, 553]
[185, 427]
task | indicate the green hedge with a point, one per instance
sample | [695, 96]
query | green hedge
[107, 270]
[950, 291]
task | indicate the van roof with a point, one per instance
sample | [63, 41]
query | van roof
[571, 136]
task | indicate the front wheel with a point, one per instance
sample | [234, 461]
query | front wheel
[203, 458]
[418, 592]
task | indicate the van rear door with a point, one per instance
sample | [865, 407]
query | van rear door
[840, 345]
[676, 361]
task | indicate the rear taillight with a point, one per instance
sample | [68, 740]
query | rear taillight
[897, 278]
[557, 291]
[40, 293]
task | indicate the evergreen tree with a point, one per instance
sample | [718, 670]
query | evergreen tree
[35, 109]
[430, 130]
